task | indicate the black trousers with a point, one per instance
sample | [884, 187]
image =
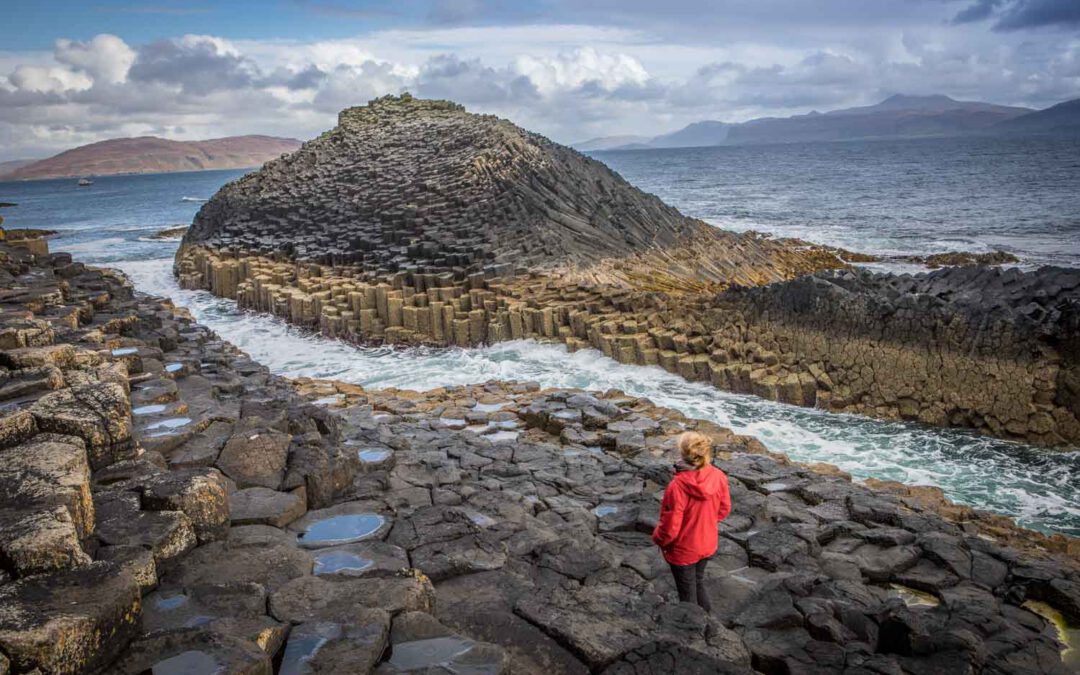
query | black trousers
[690, 583]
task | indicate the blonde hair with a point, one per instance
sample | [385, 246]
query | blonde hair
[696, 449]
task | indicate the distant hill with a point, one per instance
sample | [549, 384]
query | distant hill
[1063, 118]
[608, 142]
[149, 154]
[898, 116]
[699, 133]
[10, 166]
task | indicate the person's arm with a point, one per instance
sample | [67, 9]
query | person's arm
[671, 516]
[724, 507]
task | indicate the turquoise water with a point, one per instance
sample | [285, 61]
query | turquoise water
[110, 223]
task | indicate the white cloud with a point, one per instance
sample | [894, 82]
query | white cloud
[566, 81]
[106, 58]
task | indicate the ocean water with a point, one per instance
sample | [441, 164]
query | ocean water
[1020, 195]
[110, 222]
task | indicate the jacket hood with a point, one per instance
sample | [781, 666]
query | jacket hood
[703, 483]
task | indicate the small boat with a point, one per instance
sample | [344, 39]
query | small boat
[83, 182]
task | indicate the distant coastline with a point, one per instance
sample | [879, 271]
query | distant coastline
[896, 118]
[129, 174]
[149, 154]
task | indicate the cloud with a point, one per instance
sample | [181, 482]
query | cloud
[198, 63]
[349, 85]
[105, 58]
[1014, 15]
[977, 11]
[1039, 13]
[614, 75]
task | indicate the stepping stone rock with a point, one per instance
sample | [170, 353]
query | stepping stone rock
[203, 448]
[47, 473]
[420, 644]
[270, 564]
[263, 506]
[365, 559]
[188, 651]
[350, 601]
[255, 457]
[100, 414]
[238, 610]
[33, 541]
[70, 622]
[201, 494]
[328, 647]
[120, 522]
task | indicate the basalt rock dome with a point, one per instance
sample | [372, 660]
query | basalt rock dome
[404, 181]
[404, 184]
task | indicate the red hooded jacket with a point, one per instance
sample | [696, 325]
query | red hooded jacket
[694, 503]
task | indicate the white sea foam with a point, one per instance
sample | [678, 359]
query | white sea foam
[1041, 488]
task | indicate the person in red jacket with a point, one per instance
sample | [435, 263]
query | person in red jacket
[694, 503]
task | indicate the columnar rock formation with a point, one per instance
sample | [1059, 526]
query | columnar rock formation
[404, 186]
[413, 222]
[167, 505]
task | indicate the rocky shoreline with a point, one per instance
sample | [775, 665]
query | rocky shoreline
[168, 504]
[414, 222]
[984, 348]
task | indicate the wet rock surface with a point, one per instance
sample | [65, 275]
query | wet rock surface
[402, 533]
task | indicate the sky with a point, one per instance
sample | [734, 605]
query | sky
[77, 72]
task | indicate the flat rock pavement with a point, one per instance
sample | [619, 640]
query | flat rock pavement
[167, 505]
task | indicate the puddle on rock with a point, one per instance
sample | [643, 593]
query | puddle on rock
[502, 436]
[149, 409]
[171, 602]
[171, 423]
[332, 562]
[329, 400]
[776, 486]
[188, 662]
[341, 530]
[174, 367]
[605, 510]
[304, 643]
[124, 351]
[1067, 635]
[481, 520]
[372, 455]
[434, 653]
[912, 597]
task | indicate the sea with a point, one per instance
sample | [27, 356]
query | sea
[888, 197]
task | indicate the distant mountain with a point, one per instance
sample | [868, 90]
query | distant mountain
[149, 154]
[898, 116]
[895, 117]
[696, 134]
[10, 166]
[608, 142]
[1063, 118]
